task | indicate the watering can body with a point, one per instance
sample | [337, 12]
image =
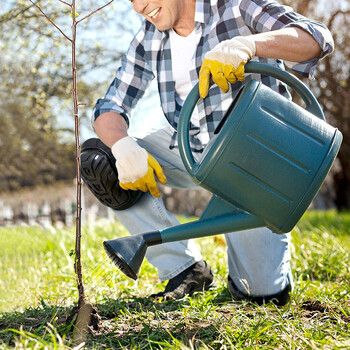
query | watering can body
[268, 156]
[264, 165]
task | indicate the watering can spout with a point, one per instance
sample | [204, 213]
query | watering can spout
[214, 225]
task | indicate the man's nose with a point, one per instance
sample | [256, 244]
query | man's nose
[139, 5]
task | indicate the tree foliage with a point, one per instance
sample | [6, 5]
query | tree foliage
[36, 135]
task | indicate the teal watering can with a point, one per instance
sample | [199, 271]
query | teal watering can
[264, 165]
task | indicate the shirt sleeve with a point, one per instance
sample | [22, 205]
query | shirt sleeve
[268, 15]
[130, 82]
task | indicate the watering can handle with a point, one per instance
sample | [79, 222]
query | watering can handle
[299, 87]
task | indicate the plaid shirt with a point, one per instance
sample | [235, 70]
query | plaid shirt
[149, 56]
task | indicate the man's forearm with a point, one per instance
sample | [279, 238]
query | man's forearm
[289, 44]
[110, 127]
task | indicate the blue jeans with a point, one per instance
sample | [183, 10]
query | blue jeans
[258, 260]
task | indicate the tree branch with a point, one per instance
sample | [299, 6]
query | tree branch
[44, 14]
[91, 13]
[334, 15]
[66, 3]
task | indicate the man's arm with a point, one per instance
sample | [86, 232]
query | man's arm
[289, 44]
[225, 62]
[136, 168]
[110, 127]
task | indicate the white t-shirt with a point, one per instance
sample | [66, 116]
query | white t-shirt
[182, 50]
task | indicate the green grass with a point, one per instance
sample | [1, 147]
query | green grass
[38, 291]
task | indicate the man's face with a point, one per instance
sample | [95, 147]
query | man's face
[164, 14]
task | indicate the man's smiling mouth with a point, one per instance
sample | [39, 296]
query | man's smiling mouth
[153, 14]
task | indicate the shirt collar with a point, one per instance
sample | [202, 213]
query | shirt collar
[202, 14]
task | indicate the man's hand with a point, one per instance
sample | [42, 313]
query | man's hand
[225, 62]
[136, 167]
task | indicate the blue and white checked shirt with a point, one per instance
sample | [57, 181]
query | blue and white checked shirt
[149, 57]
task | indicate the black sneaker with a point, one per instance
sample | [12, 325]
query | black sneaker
[279, 299]
[195, 278]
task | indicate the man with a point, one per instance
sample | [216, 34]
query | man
[179, 43]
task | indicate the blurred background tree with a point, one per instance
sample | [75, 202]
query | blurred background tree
[331, 84]
[37, 129]
[36, 134]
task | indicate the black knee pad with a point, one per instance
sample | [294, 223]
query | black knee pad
[100, 175]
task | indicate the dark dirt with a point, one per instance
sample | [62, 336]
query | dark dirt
[314, 308]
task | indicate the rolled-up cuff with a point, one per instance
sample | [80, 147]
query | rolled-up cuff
[103, 106]
[324, 39]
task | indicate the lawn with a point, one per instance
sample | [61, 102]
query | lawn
[38, 291]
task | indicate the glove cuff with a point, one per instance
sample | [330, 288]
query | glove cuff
[124, 147]
[132, 160]
[248, 42]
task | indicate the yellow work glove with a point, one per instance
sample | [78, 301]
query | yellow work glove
[136, 168]
[225, 63]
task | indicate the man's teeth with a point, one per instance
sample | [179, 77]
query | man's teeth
[154, 12]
